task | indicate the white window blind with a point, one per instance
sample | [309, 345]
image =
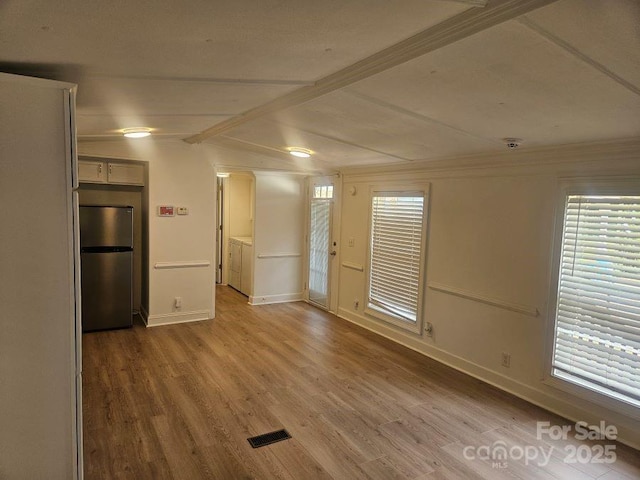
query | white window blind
[319, 246]
[396, 253]
[597, 337]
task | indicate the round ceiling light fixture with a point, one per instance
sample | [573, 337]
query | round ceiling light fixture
[137, 132]
[299, 152]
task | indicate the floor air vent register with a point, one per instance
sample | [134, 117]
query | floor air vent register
[268, 438]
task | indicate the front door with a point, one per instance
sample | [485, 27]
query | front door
[321, 243]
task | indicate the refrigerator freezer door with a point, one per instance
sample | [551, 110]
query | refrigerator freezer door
[107, 298]
[106, 226]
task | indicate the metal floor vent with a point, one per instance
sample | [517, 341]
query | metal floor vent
[268, 438]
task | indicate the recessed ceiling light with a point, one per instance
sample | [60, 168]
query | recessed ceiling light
[300, 152]
[138, 132]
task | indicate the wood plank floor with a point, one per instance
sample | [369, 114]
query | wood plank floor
[179, 402]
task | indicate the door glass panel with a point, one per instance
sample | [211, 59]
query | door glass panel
[319, 248]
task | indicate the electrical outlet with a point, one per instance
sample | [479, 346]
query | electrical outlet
[352, 242]
[356, 304]
[506, 359]
[177, 302]
[428, 329]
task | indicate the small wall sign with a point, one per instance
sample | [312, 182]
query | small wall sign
[166, 211]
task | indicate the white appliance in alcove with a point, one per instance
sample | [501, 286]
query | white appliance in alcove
[40, 335]
[241, 264]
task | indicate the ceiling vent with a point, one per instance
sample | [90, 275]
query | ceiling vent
[512, 143]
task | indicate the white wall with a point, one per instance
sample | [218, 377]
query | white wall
[180, 175]
[240, 196]
[278, 238]
[490, 236]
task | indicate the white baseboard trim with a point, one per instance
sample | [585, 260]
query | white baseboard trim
[282, 298]
[568, 408]
[178, 317]
[145, 315]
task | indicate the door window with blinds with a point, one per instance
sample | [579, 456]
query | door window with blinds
[397, 256]
[597, 315]
[320, 219]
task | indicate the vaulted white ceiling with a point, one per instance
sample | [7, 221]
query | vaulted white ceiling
[359, 83]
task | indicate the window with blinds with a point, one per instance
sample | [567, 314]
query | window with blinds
[597, 331]
[319, 247]
[396, 255]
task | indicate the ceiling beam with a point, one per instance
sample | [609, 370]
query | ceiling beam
[458, 27]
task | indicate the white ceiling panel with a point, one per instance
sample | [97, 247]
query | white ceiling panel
[510, 82]
[255, 39]
[276, 137]
[261, 75]
[357, 121]
[112, 125]
[170, 96]
[606, 31]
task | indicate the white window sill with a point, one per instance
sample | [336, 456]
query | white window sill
[610, 403]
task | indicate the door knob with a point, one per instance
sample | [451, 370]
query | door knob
[333, 254]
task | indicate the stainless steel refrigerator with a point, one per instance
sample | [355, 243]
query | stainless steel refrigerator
[106, 258]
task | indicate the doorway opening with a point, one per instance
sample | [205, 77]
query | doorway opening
[234, 225]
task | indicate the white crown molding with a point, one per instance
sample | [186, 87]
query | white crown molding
[578, 155]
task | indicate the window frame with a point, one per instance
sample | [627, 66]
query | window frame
[398, 321]
[582, 186]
